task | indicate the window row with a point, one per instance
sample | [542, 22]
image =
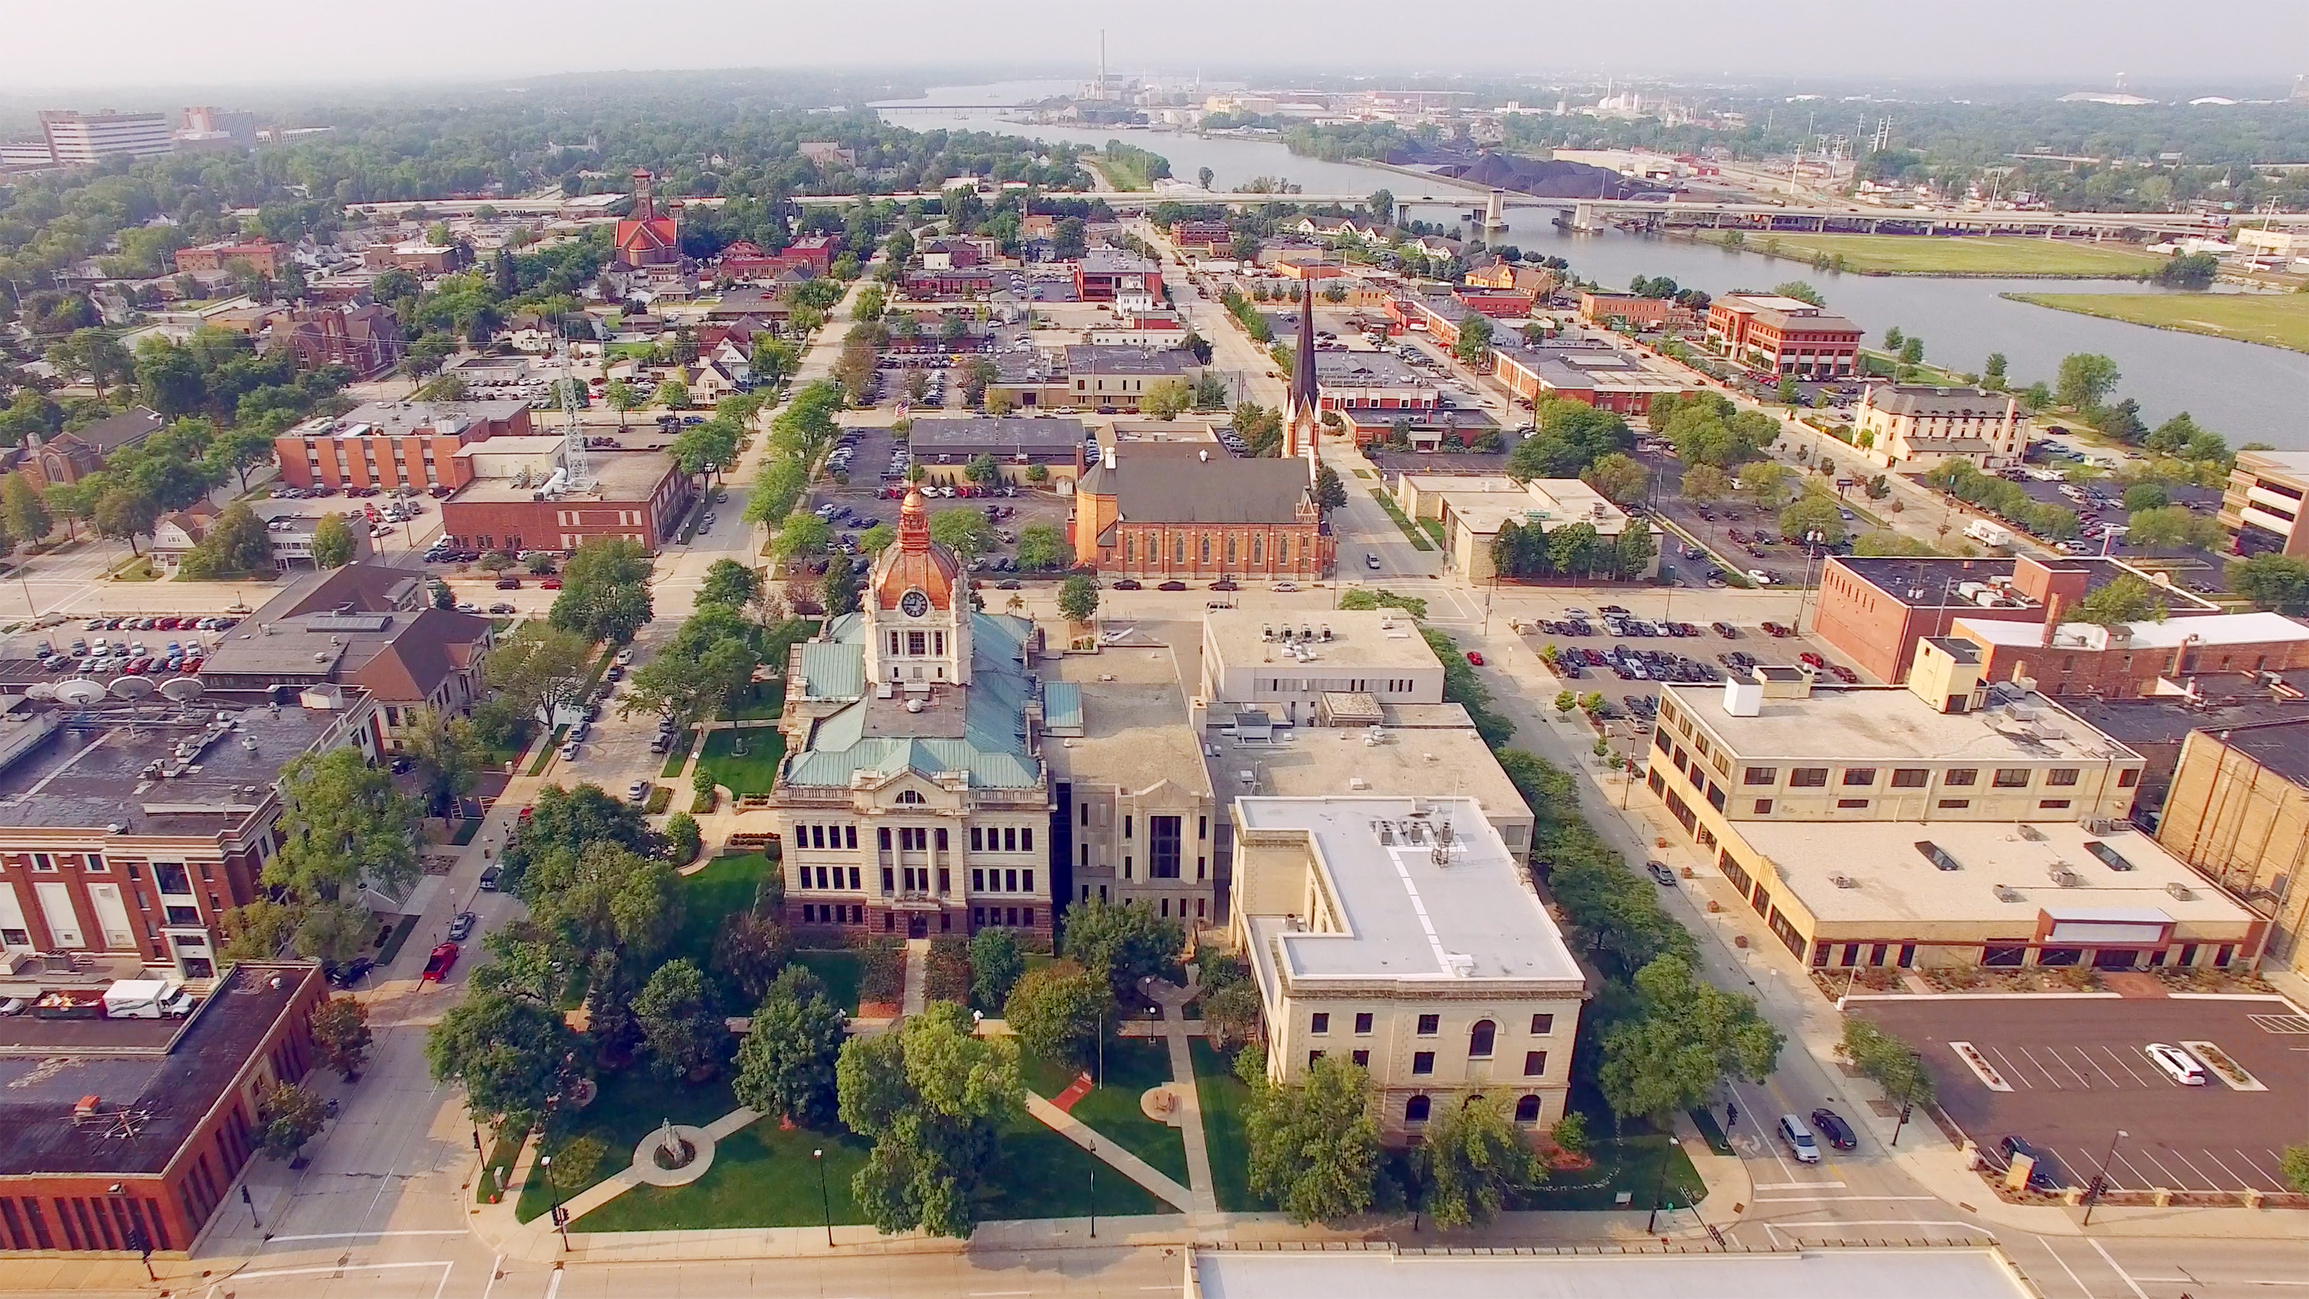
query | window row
[1007, 880]
[828, 877]
[1920, 777]
[1480, 1035]
[1001, 838]
[1014, 917]
[1418, 1108]
[826, 836]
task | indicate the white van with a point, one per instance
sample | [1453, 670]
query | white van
[1799, 1139]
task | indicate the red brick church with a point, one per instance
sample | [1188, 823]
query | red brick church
[644, 237]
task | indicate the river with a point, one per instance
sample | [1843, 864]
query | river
[2240, 389]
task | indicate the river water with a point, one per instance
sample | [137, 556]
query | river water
[2248, 392]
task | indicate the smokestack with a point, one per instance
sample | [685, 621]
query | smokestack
[2052, 608]
[2181, 654]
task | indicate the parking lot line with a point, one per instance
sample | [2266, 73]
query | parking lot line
[2095, 1065]
[2235, 1181]
[2010, 1069]
[2051, 1079]
[2211, 1183]
[2168, 1179]
[2062, 1056]
[2121, 1064]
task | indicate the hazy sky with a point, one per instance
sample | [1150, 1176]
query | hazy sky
[109, 44]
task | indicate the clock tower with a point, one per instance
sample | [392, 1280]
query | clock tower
[917, 608]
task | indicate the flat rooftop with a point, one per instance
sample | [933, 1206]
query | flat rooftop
[1374, 1274]
[1134, 720]
[106, 767]
[1366, 370]
[2230, 699]
[2210, 629]
[2282, 747]
[1360, 638]
[1406, 915]
[1887, 724]
[1085, 358]
[1887, 877]
[394, 418]
[617, 476]
[151, 1094]
[1428, 757]
[1023, 434]
[1934, 583]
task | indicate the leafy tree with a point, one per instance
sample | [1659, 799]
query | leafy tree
[343, 826]
[2174, 526]
[2190, 271]
[564, 823]
[341, 1035]
[604, 591]
[673, 394]
[1803, 292]
[873, 541]
[1167, 398]
[1475, 1158]
[1473, 345]
[332, 542]
[683, 839]
[1230, 1013]
[1570, 436]
[1042, 547]
[1912, 351]
[730, 584]
[538, 667]
[1685, 1039]
[22, 511]
[930, 1097]
[803, 535]
[288, 1116]
[1617, 477]
[1814, 512]
[510, 1052]
[2294, 1163]
[1315, 1142]
[1992, 375]
[2086, 379]
[1887, 1061]
[996, 962]
[1330, 489]
[750, 951]
[2146, 496]
[1059, 1011]
[124, 514]
[1704, 484]
[1123, 942]
[685, 1036]
[1078, 597]
[787, 1062]
[705, 669]
[446, 756]
[962, 530]
[2277, 583]
[2127, 599]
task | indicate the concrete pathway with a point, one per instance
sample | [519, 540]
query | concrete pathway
[917, 994]
[1177, 1032]
[1121, 1160]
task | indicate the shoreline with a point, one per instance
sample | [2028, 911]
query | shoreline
[2178, 327]
[1789, 256]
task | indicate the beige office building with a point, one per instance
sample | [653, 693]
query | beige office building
[2239, 813]
[1403, 934]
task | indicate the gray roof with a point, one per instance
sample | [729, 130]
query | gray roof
[1088, 358]
[368, 588]
[1115, 261]
[2282, 747]
[1358, 369]
[1181, 482]
[982, 732]
[110, 435]
[1922, 402]
[1007, 435]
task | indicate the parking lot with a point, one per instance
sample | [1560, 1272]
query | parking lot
[2067, 1075]
[1626, 660]
[865, 499]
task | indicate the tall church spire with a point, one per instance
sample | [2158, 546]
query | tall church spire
[1302, 416]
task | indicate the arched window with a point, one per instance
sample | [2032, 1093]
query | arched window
[1527, 1110]
[1129, 548]
[915, 796]
[1230, 548]
[1479, 1039]
[1258, 548]
[1180, 550]
[1415, 1110]
[1206, 548]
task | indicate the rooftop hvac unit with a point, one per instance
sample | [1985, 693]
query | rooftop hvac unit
[2031, 833]
[1844, 881]
[2180, 891]
[2006, 893]
[2063, 876]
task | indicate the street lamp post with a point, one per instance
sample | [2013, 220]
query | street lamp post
[2101, 1178]
[553, 1195]
[1092, 1173]
[133, 1224]
[825, 1204]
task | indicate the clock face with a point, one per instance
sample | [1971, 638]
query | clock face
[914, 604]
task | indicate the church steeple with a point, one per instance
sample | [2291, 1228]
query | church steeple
[1302, 416]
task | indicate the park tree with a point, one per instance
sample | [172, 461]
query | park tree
[2086, 379]
[750, 951]
[930, 1096]
[2276, 583]
[962, 530]
[567, 822]
[1060, 1011]
[288, 1116]
[1230, 1013]
[332, 542]
[1617, 477]
[2127, 599]
[685, 1035]
[1078, 597]
[996, 962]
[1122, 942]
[787, 1062]
[705, 669]
[22, 511]
[1315, 1142]
[446, 756]
[510, 1053]
[341, 1036]
[730, 584]
[1570, 436]
[604, 591]
[1685, 1040]
[1992, 374]
[1475, 1159]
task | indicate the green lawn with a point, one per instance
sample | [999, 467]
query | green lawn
[841, 972]
[1418, 538]
[632, 1104]
[1133, 1065]
[677, 757]
[2272, 319]
[726, 884]
[753, 772]
[761, 1177]
[766, 701]
[1630, 1164]
[1968, 255]
[1223, 1097]
[1044, 1175]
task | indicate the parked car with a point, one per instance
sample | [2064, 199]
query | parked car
[350, 972]
[1828, 1124]
[637, 792]
[489, 877]
[509, 583]
[438, 965]
[1660, 873]
[1475, 657]
[2178, 1065]
[1125, 584]
[1173, 585]
[1798, 1139]
[461, 927]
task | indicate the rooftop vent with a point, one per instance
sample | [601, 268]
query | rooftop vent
[2180, 891]
[2063, 875]
[2032, 834]
[2007, 893]
[1844, 881]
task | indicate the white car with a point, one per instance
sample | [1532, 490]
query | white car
[1798, 1136]
[1760, 577]
[569, 751]
[2178, 1064]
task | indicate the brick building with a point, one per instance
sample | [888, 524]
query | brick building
[70, 457]
[1918, 427]
[1208, 238]
[365, 339]
[638, 495]
[266, 259]
[1874, 610]
[395, 443]
[1644, 313]
[137, 1143]
[1606, 378]
[131, 831]
[1176, 509]
[945, 447]
[645, 236]
[1118, 377]
[2134, 660]
[1784, 335]
[1111, 275]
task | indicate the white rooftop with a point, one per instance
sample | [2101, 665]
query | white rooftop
[2203, 629]
[1424, 888]
[1887, 724]
[1360, 638]
[1376, 1274]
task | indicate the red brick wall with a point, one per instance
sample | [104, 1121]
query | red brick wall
[1878, 631]
[538, 525]
[219, 883]
[1151, 550]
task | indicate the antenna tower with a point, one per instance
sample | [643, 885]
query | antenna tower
[574, 463]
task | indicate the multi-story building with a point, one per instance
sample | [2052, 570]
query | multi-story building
[122, 1135]
[1184, 510]
[1918, 427]
[1473, 508]
[945, 447]
[135, 827]
[1404, 935]
[1874, 611]
[261, 257]
[518, 495]
[1606, 378]
[1331, 669]
[395, 443]
[75, 138]
[1371, 391]
[1125, 279]
[1118, 377]
[913, 798]
[2134, 660]
[289, 537]
[1208, 238]
[365, 339]
[2262, 506]
[1608, 309]
[1135, 820]
[2239, 812]
[1951, 821]
[2158, 727]
[1783, 335]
